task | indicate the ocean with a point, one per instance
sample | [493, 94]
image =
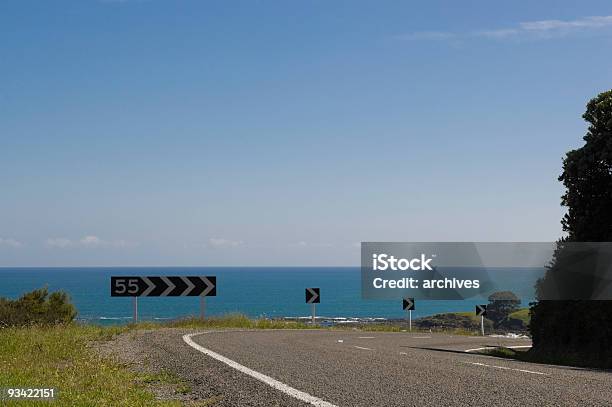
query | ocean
[270, 292]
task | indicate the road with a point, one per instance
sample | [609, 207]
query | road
[353, 368]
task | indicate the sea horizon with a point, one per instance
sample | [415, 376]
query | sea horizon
[255, 291]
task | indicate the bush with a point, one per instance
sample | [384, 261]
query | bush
[501, 305]
[516, 321]
[37, 308]
[465, 321]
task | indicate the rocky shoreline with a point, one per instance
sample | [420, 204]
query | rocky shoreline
[437, 322]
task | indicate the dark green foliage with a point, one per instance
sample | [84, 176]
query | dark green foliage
[587, 177]
[502, 304]
[452, 321]
[37, 308]
[513, 325]
[581, 330]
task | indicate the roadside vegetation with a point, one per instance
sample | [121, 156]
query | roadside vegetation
[238, 321]
[37, 307]
[42, 347]
[503, 315]
[521, 315]
[466, 322]
[468, 325]
[60, 357]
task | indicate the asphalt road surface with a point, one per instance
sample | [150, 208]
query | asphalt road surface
[334, 368]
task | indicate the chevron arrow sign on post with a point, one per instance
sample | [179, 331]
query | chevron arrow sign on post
[481, 311]
[178, 286]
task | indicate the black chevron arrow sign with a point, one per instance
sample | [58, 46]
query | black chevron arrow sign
[481, 310]
[162, 286]
[408, 304]
[313, 296]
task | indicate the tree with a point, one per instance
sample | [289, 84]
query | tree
[581, 330]
[502, 304]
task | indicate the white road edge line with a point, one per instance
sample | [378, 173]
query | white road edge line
[367, 337]
[361, 347]
[493, 347]
[507, 368]
[421, 337]
[300, 395]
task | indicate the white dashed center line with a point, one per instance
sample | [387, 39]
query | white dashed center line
[507, 368]
[493, 347]
[361, 347]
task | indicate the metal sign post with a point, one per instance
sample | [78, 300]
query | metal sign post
[202, 307]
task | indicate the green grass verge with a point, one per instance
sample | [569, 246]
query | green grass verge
[227, 321]
[522, 314]
[471, 315]
[241, 321]
[404, 328]
[59, 357]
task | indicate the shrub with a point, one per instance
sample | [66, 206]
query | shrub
[37, 307]
[466, 321]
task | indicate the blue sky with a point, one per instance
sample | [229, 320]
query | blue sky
[149, 132]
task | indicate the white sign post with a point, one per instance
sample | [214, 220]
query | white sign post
[482, 325]
[135, 304]
[314, 309]
[202, 307]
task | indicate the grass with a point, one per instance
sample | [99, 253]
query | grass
[522, 314]
[240, 321]
[167, 378]
[59, 357]
[404, 328]
[502, 353]
[227, 321]
[471, 315]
